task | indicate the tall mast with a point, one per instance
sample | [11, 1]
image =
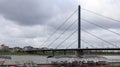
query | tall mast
[79, 26]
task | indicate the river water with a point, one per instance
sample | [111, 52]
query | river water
[44, 59]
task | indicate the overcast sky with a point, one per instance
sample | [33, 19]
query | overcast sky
[31, 22]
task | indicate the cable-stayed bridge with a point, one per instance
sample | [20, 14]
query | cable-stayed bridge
[113, 49]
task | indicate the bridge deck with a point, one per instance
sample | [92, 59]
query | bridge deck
[75, 49]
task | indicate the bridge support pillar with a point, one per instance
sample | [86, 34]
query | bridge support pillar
[65, 52]
[79, 52]
[44, 52]
[53, 53]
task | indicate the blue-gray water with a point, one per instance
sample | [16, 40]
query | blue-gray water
[43, 59]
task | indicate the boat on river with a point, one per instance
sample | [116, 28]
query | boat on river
[82, 61]
[66, 61]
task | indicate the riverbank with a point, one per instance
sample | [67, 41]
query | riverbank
[25, 53]
[49, 53]
[14, 53]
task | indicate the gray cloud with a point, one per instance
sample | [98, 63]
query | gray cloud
[32, 12]
[24, 12]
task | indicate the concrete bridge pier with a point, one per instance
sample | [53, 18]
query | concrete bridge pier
[65, 52]
[43, 52]
[53, 53]
[79, 53]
